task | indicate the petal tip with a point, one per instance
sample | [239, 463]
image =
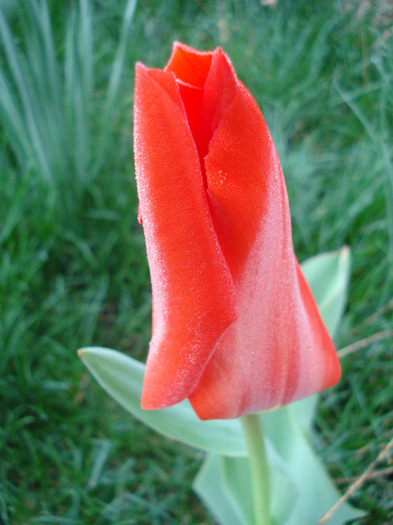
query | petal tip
[150, 402]
[140, 67]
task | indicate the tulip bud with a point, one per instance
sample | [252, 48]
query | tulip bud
[235, 327]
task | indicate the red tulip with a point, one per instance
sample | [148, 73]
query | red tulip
[235, 327]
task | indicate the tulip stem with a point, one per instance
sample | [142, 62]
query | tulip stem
[253, 431]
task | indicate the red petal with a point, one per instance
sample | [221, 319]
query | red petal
[240, 168]
[193, 293]
[278, 350]
[189, 65]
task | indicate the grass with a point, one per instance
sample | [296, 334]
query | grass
[72, 262]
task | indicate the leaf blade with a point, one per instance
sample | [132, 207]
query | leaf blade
[328, 277]
[122, 377]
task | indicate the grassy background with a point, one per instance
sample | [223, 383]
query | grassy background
[72, 262]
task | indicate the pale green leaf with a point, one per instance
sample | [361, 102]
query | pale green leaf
[317, 492]
[304, 412]
[122, 377]
[236, 482]
[208, 486]
[328, 277]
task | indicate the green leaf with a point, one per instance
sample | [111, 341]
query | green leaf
[317, 492]
[301, 489]
[282, 507]
[328, 277]
[122, 377]
[208, 486]
[304, 412]
[224, 485]
[236, 482]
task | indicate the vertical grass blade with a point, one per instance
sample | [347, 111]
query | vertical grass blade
[119, 60]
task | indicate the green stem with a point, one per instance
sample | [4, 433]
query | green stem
[252, 427]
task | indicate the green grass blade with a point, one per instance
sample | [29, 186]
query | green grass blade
[120, 56]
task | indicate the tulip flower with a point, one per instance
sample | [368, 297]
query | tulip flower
[235, 326]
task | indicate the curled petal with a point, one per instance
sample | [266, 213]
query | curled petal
[193, 292]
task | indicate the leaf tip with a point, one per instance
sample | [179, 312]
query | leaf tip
[345, 251]
[83, 353]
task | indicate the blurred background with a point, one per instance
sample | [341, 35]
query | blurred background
[73, 269]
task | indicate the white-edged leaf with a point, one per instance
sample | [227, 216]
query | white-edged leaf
[122, 377]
